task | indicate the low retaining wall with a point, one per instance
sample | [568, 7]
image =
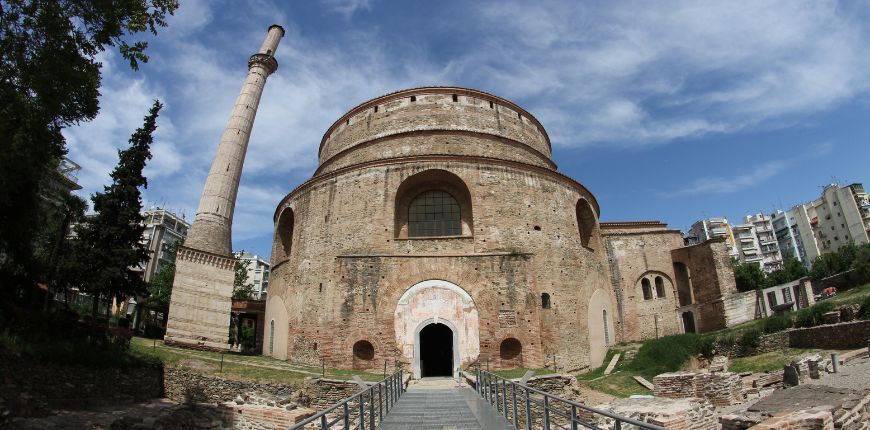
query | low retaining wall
[849, 335]
[182, 385]
[721, 388]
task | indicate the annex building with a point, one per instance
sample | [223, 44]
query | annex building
[438, 232]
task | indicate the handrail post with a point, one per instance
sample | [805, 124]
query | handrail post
[546, 412]
[346, 416]
[362, 411]
[380, 403]
[573, 417]
[528, 410]
[504, 398]
[323, 422]
[516, 419]
[372, 408]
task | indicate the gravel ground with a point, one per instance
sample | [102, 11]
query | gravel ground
[854, 375]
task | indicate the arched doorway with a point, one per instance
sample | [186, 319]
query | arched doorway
[436, 350]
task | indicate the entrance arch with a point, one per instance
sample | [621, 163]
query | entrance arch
[437, 302]
[435, 349]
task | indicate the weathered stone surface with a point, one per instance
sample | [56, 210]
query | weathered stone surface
[721, 389]
[677, 414]
[527, 280]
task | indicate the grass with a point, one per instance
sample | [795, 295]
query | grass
[766, 362]
[620, 383]
[855, 295]
[238, 366]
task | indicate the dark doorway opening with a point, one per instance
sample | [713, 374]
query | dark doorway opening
[436, 350]
[689, 322]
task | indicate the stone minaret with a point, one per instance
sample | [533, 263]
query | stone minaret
[199, 311]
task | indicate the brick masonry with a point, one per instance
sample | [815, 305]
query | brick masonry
[720, 389]
[342, 261]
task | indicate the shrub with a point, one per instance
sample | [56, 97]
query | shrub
[776, 324]
[750, 339]
[706, 346]
[865, 309]
[812, 316]
[665, 354]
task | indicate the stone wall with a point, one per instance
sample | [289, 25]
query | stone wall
[28, 389]
[327, 392]
[181, 385]
[712, 281]
[677, 414]
[849, 335]
[721, 388]
[643, 250]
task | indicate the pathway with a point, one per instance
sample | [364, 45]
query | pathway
[437, 403]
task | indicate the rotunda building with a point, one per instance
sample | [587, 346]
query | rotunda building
[437, 232]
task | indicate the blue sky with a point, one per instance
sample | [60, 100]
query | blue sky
[664, 110]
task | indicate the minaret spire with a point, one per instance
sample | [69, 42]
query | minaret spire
[199, 310]
[212, 227]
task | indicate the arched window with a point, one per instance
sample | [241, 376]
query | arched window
[606, 332]
[511, 352]
[433, 203]
[434, 213]
[647, 289]
[545, 301]
[660, 287]
[271, 337]
[284, 232]
[586, 224]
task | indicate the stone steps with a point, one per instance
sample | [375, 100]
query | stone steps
[437, 406]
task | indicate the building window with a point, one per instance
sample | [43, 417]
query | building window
[647, 289]
[434, 213]
[660, 287]
[545, 301]
[771, 298]
[606, 331]
[433, 203]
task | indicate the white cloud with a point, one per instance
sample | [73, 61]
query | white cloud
[721, 185]
[633, 73]
[347, 8]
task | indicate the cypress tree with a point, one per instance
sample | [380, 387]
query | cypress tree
[110, 241]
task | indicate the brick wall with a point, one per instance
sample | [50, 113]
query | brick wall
[721, 388]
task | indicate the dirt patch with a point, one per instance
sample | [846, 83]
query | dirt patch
[197, 365]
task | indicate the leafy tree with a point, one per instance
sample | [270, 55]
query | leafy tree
[861, 265]
[160, 286]
[748, 276]
[49, 79]
[792, 270]
[110, 240]
[242, 290]
[834, 262]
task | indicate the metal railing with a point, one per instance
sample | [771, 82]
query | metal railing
[363, 410]
[529, 408]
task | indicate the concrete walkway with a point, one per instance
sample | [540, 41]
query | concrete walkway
[437, 403]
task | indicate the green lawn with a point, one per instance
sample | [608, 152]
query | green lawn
[855, 295]
[768, 361]
[238, 366]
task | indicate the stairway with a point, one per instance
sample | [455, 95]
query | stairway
[437, 403]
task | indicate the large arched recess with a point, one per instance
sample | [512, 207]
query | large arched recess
[587, 225]
[276, 311]
[433, 179]
[598, 303]
[282, 244]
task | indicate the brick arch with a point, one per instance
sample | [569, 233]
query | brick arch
[587, 225]
[432, 180]
[651, 275]
[346, 349]
[282, 242]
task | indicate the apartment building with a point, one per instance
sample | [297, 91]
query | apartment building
[162, 229]
[709, 228]
[765, 238]
[258, 273]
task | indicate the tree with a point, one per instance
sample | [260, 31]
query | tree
[160, 286]
[748, 276]
[835, 262]
[242, 290]
[49, 79]
[110, 240]
[792, 270]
